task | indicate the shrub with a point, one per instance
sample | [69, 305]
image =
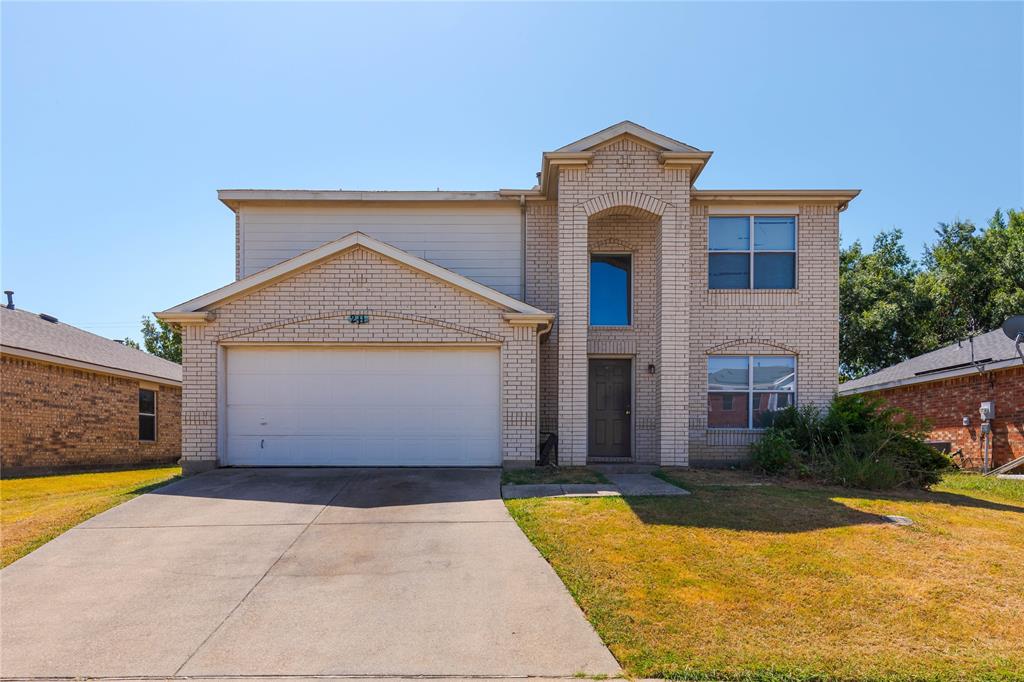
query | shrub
[857, 442]
[773, 453]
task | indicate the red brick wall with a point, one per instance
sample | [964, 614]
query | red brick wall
[54, 417]
[945, 403]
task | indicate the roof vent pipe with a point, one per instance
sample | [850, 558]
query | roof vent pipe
[10, 299]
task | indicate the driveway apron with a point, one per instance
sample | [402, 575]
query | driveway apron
[297, 572]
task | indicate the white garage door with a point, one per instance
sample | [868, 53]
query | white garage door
[338, 407]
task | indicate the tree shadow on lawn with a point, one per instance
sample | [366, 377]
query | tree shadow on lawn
[783, 507]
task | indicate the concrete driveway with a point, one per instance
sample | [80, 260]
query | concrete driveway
[297, 572]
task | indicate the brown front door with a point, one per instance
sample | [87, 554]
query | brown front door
[610, 404]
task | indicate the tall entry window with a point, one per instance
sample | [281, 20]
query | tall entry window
[756, 252]
[611, 284]
[744, 390]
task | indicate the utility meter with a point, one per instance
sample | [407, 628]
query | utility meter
[987, 411]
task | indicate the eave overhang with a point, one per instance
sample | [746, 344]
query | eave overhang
[931, 377]
[86, 366]
[233, 198]
[841, 198]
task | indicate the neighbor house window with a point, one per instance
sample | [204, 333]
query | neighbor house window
[611, 286]
[747, 252]
[744, 390]
[147, 414]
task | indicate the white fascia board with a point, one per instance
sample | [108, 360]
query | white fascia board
[330, 249]
[229, 196]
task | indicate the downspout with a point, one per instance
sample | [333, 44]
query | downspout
[522, 235]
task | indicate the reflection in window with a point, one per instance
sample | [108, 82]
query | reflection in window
[745, 391]
[610, 289]
[752, 252]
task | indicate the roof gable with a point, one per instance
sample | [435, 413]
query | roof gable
[292, 266]
[627, 128]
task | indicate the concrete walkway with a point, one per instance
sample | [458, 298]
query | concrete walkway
[621, 484]
[297, 572]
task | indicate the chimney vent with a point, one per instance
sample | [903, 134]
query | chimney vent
[10, 299]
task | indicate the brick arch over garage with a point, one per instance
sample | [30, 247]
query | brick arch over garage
[625, 201]
[442, 328]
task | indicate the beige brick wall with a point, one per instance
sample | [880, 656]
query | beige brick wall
[625, 176]
[626, 197]
[56, 417]
[312, 306]
[803, 322]
[542, 292]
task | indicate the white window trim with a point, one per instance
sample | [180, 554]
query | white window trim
[632, 289]
[156, 396]
[750, 251]
[750, 390]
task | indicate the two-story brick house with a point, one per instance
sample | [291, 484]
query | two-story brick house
[615, 304]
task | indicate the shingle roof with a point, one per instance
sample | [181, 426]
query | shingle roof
[26, 331]
[994, 349]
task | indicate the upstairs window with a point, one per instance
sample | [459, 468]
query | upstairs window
[147, 414]
[611, 284]
[744, 390]
[752, 252]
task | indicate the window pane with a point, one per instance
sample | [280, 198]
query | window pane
[727, 410]
[727, 372]
[147, 427]
[775, 234]
[609, 289]
[765, 406]
[774, 270]
[775, 373]
[729, 234]
[147, 401]
[728, 271]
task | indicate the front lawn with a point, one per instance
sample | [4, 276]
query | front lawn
[33, 511]
[756, 579]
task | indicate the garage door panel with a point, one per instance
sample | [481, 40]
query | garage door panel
[315, 406]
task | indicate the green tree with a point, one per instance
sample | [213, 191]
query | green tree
[975, 278]
[884, 315]
[1006, 244]
[161, 339]
[131, 343]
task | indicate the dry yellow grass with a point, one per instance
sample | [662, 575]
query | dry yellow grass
[795, 581]
[33, 511]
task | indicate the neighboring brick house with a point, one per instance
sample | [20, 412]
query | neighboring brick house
[948, 386]
[71, 400]
[615, 304]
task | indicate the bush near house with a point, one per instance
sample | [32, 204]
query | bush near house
[857, 442]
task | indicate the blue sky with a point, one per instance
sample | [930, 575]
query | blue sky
[120, 121]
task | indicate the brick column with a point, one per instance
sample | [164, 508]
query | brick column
[673, 265]
[198, 400]
[572, 321]
[519, 356]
